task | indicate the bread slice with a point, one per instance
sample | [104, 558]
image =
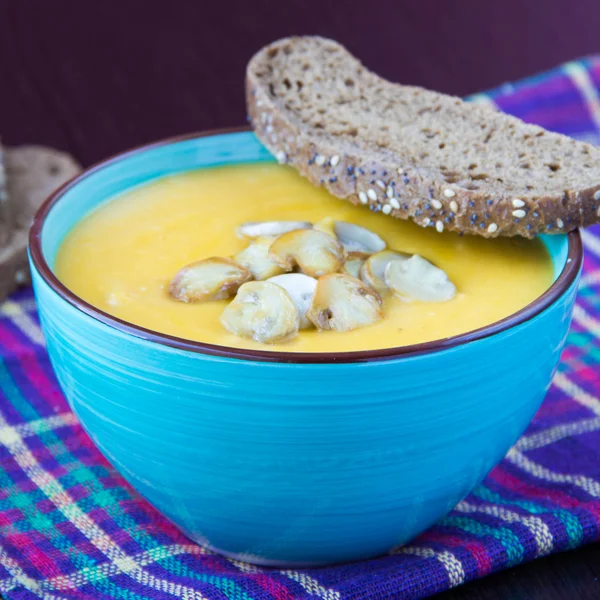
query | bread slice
[416, 154]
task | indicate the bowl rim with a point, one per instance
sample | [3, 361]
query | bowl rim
[563, 282]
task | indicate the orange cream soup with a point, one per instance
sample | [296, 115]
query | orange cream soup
[122, 256]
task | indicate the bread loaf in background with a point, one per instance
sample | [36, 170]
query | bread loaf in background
[28, 175]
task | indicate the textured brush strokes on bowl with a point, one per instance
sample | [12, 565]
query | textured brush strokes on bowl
[291, 459]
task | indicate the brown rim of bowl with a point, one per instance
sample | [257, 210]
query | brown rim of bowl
[562, 283]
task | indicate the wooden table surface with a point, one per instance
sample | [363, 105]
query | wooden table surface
[98, 77]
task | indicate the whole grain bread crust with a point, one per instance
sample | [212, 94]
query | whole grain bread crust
[384, 184]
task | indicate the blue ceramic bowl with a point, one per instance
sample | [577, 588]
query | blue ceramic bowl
[282, 458]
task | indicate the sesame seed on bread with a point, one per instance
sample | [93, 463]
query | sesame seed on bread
[413, 153]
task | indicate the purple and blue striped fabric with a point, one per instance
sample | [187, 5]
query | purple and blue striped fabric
[71, 528]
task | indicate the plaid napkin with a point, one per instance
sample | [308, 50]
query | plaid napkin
[71, 528]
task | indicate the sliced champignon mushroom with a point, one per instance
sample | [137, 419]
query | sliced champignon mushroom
[213, 278]
[355, 238]
[301, 289]
[256, 229]
[314, 252]
[262, 311]
[373, 271]
[354, 264]
[343, 303]
[418, 279]
[256, 259]
[326, 225]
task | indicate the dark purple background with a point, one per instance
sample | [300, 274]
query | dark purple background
[98, 76]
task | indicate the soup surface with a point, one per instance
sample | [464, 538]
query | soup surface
[122, 257]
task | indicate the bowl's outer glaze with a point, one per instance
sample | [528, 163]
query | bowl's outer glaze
[292, 463]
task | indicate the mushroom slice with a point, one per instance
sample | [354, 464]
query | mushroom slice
[213, 278]
[343, 303]
[301, 289]
[256, 229]
[355, 238]
[315, 252]
[354, 263]
[256, 259]
[326, 225]
[262, 311]
[418, 279]
[373, 271]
